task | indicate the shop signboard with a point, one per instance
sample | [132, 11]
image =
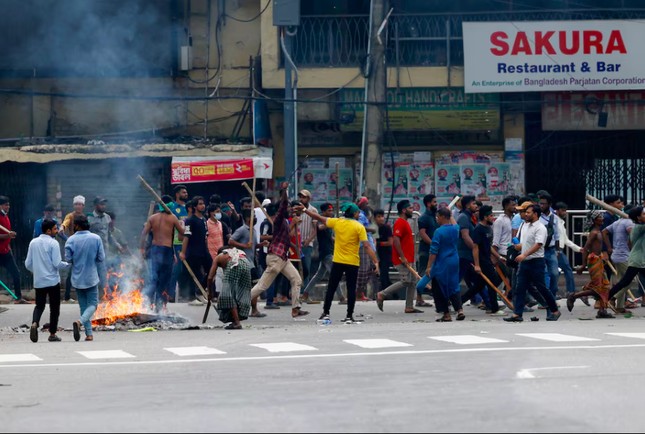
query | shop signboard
[541, 56]
[414, 109]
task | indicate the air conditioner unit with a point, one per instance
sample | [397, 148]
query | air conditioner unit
[186, 58]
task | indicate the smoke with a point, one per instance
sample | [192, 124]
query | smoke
[87, 37]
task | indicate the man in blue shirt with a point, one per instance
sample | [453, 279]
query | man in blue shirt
[44, 261]
[85, 251]
[48, 214]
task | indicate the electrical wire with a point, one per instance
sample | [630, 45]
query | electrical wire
[241, 20]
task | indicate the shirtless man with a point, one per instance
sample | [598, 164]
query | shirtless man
[591, 257]
[162, 225]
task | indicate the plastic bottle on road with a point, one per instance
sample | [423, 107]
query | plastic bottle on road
[324, 322]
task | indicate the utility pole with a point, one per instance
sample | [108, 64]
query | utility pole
[375, 110]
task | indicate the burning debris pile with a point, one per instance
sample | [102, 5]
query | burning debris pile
[123, 306]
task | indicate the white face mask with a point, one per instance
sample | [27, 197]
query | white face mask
[218, 216]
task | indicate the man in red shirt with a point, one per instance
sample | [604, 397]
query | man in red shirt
[7, 260]
[402, 258]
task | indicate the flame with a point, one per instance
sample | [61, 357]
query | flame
[122, 299]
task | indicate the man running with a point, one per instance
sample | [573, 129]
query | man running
[598, 285]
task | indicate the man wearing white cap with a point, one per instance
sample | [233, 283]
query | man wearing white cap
[68, 228]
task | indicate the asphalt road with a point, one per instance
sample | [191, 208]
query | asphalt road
[393, 372]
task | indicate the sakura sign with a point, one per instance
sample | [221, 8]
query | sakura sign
[524, 56]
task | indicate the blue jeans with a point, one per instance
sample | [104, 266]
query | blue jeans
[551, 270]
[423, 264]
[531, 272]
[307, 253]
[102, 270]
[563, 262]
[88, 300]
[161, 262]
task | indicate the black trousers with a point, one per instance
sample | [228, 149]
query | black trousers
[351, 276]
[627, 279]
[479, 285]
[440, 300]
[200, 265]
[54, 306]
[8, 262]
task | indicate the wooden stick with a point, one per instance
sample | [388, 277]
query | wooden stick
[256, 201]
[251, 231]
[454, 201]
[199, 285]
[611, 266]
[505, 299]
[413, 271]
[604, 205]
[154, 194]
[151, 208]
[501, 274]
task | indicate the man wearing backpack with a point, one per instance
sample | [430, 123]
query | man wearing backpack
[552, 245]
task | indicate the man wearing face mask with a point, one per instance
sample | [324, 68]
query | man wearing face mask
[218, 232]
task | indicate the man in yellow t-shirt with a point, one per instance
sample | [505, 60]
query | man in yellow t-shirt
[349, 234]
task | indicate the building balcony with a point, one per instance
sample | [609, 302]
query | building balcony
[413, 40]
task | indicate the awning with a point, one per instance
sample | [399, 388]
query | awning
[186, 170]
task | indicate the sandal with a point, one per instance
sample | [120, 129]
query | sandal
[444, 319]
[89, 338]
[233, 326]
[258, 315]
[423, 304]
[413, 311]
[298, 312]
[461, 317]
[602, 315]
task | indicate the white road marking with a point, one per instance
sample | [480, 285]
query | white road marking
[377, 343]
[525, 374]
[109, 354]
[194, 351]
[628, 335]
[467, 339]
[284, 347]
[19, 358]
[556, 337]
[328, 356]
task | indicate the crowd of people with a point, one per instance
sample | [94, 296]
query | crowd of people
[209, 252]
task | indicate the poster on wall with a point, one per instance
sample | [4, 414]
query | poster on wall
[515, 161]
[448, 180]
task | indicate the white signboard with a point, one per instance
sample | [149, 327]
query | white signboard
[544, 56]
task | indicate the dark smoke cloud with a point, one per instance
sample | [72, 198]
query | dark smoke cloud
[87, 37]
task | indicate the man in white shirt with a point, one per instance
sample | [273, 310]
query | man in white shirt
[44, 261]
[563, 260]
[532, 265]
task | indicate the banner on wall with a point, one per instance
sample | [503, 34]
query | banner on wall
[186, 170]
[541, 56]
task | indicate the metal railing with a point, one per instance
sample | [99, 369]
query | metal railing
[414, 39]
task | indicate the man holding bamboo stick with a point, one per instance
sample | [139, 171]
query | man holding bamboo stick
[277, 261]
[402, 258]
